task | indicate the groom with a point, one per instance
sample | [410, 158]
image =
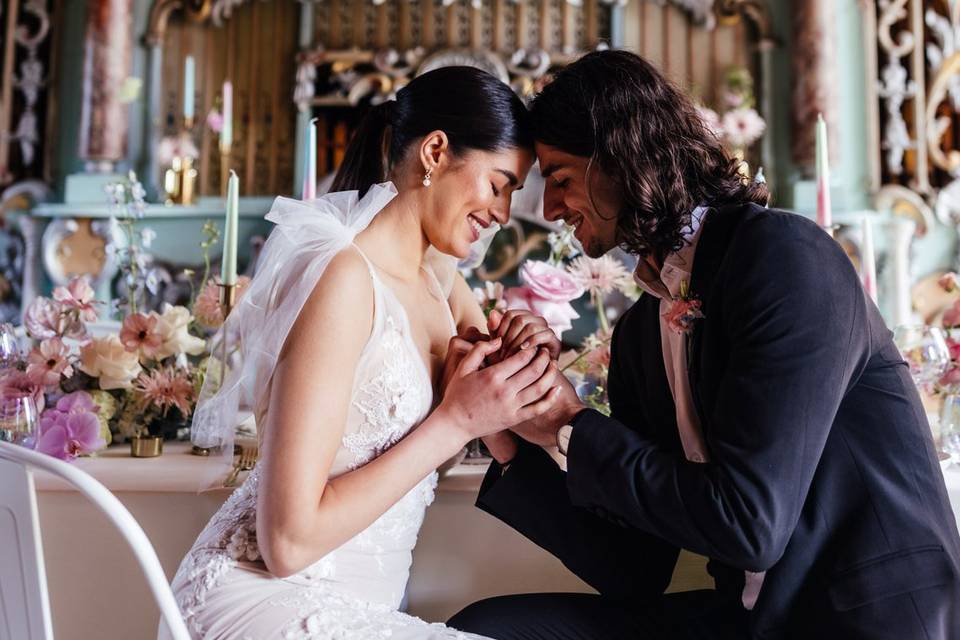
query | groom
[761, 415]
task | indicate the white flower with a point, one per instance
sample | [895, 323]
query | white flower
[490, 297]
[147, 236]
[173, 325]
[107, 359]
[600, 275]
[742, 127]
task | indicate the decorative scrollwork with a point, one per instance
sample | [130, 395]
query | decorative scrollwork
[895, 86]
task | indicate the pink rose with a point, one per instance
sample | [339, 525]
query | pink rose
[46, 318]
[951, 317]
[558, 314]
[954, 347]
[550, 283]
[17, 384]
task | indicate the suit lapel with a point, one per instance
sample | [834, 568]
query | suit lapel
[718, 229]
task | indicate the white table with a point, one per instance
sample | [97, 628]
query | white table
[96, 589]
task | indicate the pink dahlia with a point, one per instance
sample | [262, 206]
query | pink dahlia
[207, 309]
[743, 127]
[166, 388]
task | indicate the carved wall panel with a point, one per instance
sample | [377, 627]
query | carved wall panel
[254, 49]
[26, 59]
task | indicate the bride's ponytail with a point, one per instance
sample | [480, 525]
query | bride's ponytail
[365, 161]
[476, 110]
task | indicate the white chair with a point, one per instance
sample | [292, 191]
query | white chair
[24, 605]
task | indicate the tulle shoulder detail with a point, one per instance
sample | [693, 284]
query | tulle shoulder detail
[306, 237]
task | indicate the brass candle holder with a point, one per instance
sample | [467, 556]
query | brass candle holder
[228, 298]
[180, 181]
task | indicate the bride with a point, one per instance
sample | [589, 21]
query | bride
[344, 337]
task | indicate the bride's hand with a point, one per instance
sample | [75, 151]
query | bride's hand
[479, 402]
[458, 347]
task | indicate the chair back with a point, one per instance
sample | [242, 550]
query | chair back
[24, 604]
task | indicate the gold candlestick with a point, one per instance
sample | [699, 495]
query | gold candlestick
[228, 298]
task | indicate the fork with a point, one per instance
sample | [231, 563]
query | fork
[248, 459]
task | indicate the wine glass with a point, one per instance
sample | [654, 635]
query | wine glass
[18, 420]
[9, 346]
[948, 445]
[926, 352]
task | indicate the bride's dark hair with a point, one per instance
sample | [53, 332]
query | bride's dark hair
[476, 111]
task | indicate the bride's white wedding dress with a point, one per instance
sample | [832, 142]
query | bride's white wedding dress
[354, 592]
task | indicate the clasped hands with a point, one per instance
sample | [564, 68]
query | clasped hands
[507, 382]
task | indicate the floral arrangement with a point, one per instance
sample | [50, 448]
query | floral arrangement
[950, 381]
[737, 125]
[89, 388]
[548, 289]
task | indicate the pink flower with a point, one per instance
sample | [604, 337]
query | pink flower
[951, 317]
[71, 428]
[178, 146]
[78, 295]
[139, 333]
[711, 121]
[166, 388]
[599, 276]
[682, 314]
[46, 363]
[549, 282]
[733, 99]
[951, 379]
[490, 297]
[17, 384]
[743, 127]
[949, 282]
[215, 121]
[954, 346]
[46, 318]
[77, 402]
[207, 309]
[559, 315]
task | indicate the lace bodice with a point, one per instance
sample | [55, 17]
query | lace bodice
[392, 393]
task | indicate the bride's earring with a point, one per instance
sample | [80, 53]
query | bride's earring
[426, 177]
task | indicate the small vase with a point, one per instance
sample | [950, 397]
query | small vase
[146, 446]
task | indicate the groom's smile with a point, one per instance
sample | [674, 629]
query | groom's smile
[592, 212]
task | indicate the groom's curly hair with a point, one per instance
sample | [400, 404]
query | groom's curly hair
[615, 108]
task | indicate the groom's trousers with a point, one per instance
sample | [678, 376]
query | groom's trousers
[691, 615]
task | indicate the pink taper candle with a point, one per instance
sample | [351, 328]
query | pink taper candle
[824, 210]
[310, 163]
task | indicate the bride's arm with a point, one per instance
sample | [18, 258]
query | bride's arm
[302, 514]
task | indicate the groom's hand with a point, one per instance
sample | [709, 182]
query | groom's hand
[560, 410]
[521, 329]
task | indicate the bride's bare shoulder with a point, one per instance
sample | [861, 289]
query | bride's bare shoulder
[341, 304]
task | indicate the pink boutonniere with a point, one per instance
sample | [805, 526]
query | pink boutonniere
[684, 311]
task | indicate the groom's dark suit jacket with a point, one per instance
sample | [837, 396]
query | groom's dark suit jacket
[822, 470]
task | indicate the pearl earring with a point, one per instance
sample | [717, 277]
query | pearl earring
[426, 177]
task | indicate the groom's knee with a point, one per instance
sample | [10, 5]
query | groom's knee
[480, 617]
